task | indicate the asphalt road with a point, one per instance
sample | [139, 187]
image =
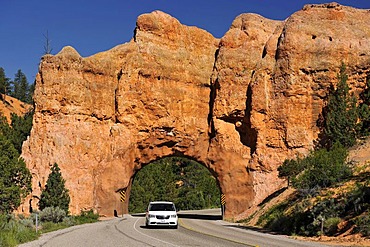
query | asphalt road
[197, 228]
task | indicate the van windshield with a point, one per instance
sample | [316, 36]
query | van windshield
[162, 207]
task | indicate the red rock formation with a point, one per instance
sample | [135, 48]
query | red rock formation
[239, 105]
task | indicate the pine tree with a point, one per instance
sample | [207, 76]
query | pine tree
[29, 95]
[341, 114]
[5, 129]
[55, 193]
[20, 129]
[291, 168]
[15, 178]
[185, 182]
[4, 83]
[20, 86]
[364, 110]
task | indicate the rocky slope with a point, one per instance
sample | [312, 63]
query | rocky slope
[9, 105]
[239, 105]
[359, 157]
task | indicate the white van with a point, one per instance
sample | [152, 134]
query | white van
[161, 213]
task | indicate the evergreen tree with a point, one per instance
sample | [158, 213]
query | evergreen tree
[4, 83]
[15, 178]
[21, 128]
[29, 95]
[364, 110]
[341, 114]
[55, 193]
[185, 182]
[199, 189]
[5, 129]
[155, 182]
[20, 86]
[291, 168]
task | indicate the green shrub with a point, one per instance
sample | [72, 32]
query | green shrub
[331, 225]
[279, 220]
[275, 219]
[27, 222]
[328, 212]
[86, 217]
[323, 169]
[52, 214]
[272, 214]
[320, 169]
[304, 218]
[13, 232]
[363, 224]
[7, 239]
[69, 221]
[358, 200]
[49, 226]
[24, 234]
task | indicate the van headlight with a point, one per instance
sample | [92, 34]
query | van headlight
[151, 216]
[173, 216]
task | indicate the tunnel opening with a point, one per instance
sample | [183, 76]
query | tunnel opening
[187, 183]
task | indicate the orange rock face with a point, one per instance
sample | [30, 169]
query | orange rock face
[239, 105]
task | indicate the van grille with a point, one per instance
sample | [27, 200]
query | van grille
[163, 217]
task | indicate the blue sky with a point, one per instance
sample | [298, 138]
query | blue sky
[91, 26]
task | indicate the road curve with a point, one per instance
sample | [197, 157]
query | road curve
[129, 231]
[209, 222]
[197, 228]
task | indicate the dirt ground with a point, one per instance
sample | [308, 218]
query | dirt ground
[350, 240]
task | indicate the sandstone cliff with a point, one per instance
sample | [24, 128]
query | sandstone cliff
[239, 105]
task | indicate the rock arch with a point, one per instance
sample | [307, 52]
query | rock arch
[234, 181]
[181, 159]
